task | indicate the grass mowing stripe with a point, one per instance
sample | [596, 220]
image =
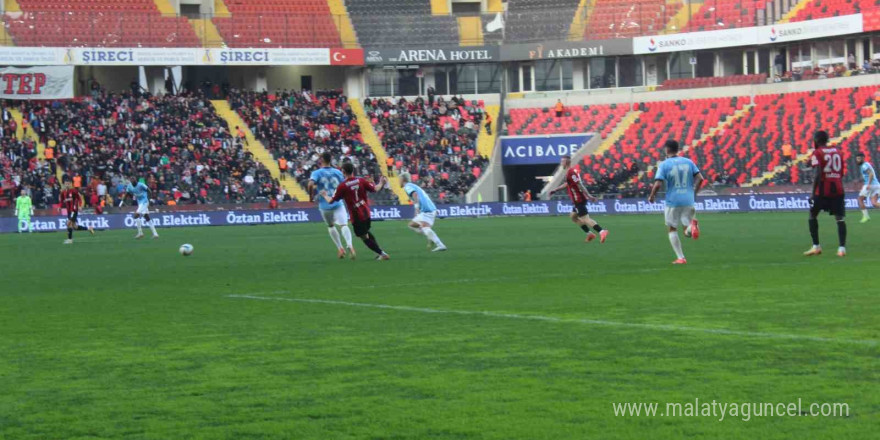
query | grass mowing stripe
[664, 327]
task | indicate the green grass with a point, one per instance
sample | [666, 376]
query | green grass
[117, 338]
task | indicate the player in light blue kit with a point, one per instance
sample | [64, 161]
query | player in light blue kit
[327, 179]
[426, 212]
[141, 193]
[683, 181]
[871, 188]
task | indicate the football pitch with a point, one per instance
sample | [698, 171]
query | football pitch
[520, 331]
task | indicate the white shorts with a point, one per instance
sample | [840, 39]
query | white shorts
[425, 217]
[143, 208]
[679, 215]
[338, 216]
[869, 192]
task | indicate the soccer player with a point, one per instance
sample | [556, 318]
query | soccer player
[828, 192]
[141, 193]
[683, 181]
[353, 190]
[579, 196]
[72, 200]
[871, 189]
[24, 209]
[327, 179]
[425, 210]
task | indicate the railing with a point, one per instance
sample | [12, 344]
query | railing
[152, 29]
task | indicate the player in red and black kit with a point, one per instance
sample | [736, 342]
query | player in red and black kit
[353, 190]
[579, 196]
[828, 194]
[71, 200]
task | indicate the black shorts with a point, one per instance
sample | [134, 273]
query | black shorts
[835, 206]
[580, 209]
[361, 227]
[71, 215]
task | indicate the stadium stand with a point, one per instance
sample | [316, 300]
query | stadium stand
[625, 19]
[436, 143]
[97, 23]
[725, 14]
[278, 23]
[299, 127]
[184, 152]
[539, 20]
[401, 22]
[813, 9]
[714, 81]
[576, 119]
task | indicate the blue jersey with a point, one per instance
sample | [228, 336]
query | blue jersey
[327, 179]
[678, 173]
[140, 191]
[425, 203]
[868, 175]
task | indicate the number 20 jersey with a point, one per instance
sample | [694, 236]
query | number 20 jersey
[831, 167]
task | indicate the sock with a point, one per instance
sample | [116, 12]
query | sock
[865, 212]
[841, 232]
[346, 234]
[676, 244]
[597, 227]
[139, 222]
[371, 243]
[814, 231]
[152, 228]
[70, 233]
[81, 228]
[334, 235]
[433, 237]
[585, 228]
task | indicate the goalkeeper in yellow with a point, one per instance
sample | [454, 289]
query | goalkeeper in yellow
[24, 209]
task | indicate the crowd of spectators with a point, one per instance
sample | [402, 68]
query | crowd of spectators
[21, 168]
[299, 126]
[435, 141]
[176, 144]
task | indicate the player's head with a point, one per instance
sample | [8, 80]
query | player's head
[672, 147]
[565, 162]
[65, 182]
[405, 178]
[820, 139]
[348, 169]
[326, 159]
[860, 158]
[133, 180]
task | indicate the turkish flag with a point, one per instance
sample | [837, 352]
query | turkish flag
[346, 57]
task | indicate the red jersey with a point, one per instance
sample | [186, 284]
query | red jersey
[573, 180]
[354, 192]
[70, 200]
[831, 167]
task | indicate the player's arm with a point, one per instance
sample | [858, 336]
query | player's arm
[336, 196]
[415, 200]
[311, 189]
[698, 183]
[657, 184]
[558, 188]
[586, 192]
[377, 188]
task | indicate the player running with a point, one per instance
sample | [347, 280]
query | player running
[579, 196]
[828, 194]
[871, 189]
[683, 181]
[24, 209]
[353, 190]
[327, 179]
[425, 210]
[141, 193]
[71, 200]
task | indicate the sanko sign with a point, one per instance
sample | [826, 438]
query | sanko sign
[433, 55]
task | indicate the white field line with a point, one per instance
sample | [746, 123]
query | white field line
[596, 322]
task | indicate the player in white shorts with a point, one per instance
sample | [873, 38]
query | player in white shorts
[683, 181]
[426, 213]
[141, 194]
[335, 216]
[871, 188]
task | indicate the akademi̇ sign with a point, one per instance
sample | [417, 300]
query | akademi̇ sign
[752, 36]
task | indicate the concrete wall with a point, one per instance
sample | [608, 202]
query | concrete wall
[289, 77]
[115, 78]
[641, 94]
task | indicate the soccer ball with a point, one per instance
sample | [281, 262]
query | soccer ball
[186, 250]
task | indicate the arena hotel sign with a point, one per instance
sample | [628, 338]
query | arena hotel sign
[475, 54]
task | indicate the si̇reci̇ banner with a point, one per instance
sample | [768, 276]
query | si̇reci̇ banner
[39, 82]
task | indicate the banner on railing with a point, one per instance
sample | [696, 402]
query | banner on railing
[43, 82]
[739, 203]
[542, 149]
[183, 56]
